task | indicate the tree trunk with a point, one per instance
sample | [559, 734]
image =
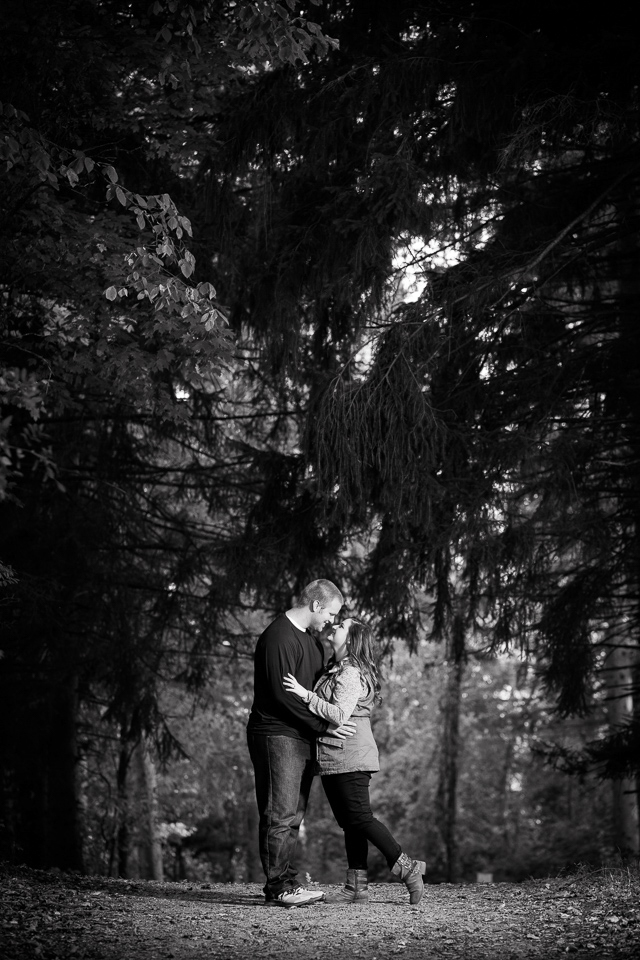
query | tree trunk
[123, 833]
[64, 843]
[147, 835]
[618, 672]
[624, 660]
[40, 809]
[254, 866]
[446, 795]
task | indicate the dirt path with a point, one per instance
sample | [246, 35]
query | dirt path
[47, 915]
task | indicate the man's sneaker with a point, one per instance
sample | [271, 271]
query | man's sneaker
[298, 897]
[317, 895]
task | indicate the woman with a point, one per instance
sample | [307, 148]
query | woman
[346, 690]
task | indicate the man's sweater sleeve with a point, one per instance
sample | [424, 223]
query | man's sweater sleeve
[282, 656]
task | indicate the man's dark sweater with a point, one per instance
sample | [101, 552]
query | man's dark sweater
[281, 649]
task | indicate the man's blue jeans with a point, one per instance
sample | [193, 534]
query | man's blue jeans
[284, 770]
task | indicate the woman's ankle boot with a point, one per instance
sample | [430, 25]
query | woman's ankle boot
[410, 872]
[355, 890]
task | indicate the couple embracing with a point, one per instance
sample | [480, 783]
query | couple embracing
[306, 718]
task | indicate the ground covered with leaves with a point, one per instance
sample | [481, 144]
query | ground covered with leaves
[49, 915]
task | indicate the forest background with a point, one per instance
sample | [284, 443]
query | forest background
[342, 289]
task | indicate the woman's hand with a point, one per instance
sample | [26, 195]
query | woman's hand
[292, 685]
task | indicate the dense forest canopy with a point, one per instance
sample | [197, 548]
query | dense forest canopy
[216, 386]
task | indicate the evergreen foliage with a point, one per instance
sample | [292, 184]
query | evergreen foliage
[215, 388]
[124, 474]
[492, 439]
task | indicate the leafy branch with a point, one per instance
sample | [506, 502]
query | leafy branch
[150, 273]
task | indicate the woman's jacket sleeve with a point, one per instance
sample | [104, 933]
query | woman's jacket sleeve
[344, 697]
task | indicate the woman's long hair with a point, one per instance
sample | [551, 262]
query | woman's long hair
[360, 653]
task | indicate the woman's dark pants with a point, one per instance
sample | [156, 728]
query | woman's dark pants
[348, 796]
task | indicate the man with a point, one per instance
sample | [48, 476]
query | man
[281, 733]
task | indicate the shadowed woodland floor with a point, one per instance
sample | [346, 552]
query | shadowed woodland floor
[51, 915]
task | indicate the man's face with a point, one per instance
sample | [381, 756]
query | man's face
[324, 616]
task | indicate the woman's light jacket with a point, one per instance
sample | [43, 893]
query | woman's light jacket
[345, 693]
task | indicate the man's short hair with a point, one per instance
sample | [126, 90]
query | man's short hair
[324, 591]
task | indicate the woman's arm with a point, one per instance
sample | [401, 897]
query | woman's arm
[347, 692]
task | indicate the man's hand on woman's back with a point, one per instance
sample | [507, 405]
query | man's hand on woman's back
[346, 729]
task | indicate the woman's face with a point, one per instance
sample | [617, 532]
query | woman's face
[338, 638]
